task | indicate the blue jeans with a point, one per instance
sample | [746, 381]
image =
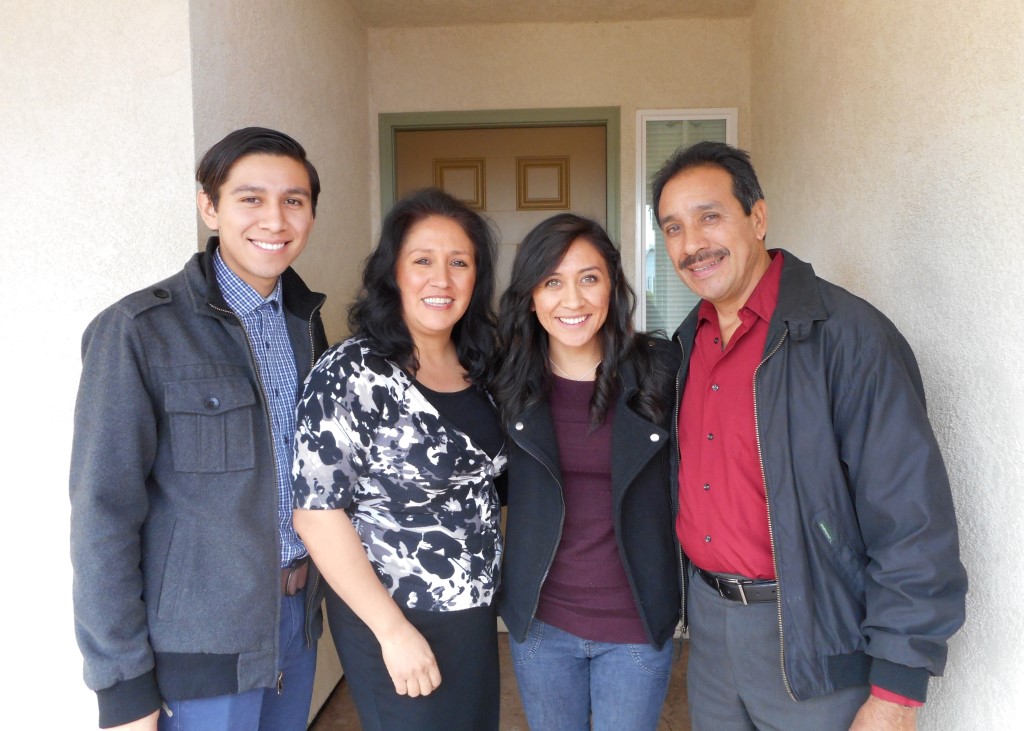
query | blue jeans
[262, 709]
[565, 680]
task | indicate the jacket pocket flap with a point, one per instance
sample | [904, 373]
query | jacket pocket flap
[209, 396]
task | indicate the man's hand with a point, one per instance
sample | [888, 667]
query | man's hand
[143, 724]
[410, 662]
[879, 715]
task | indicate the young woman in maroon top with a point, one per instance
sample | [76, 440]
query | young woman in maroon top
[590, 580]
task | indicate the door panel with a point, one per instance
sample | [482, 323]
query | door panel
[419, 152]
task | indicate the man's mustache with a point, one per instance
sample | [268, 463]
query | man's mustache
[702, 256]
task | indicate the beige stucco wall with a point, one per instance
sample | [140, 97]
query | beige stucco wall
[300, 68]
[95, 201]
[888, 139]
[642, 65]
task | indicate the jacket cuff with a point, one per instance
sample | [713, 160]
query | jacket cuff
[899, 679]
[128, 700]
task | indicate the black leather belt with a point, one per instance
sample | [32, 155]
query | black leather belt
[748, 591]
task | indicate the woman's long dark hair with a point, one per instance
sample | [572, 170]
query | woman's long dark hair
[522, 376]
[376, 312]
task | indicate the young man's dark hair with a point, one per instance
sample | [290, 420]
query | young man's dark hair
[734, 161]
[216, 164]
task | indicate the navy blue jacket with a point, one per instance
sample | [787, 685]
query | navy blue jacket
[174, 538]
[861, 519]
[642, 510]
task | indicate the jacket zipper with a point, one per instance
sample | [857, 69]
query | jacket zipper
[307, 630]
[266, 408]
[309, 331]
[768, 506]
[263, 392]
[679, 457]
[558, 539]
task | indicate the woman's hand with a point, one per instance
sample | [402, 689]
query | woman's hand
[338, 553]
[410, 662]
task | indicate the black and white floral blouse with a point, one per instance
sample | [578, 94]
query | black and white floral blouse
[420, 493]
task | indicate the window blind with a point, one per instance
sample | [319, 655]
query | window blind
[667, 299]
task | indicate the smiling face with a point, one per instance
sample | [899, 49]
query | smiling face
[436, 272]
[264, 217]
[717, 249]
[571, 304]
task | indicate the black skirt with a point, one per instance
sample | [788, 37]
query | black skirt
[465, 645]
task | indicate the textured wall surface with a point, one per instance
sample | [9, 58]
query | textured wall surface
[643, 65]
[300, 68]
[888, 138]
[95, 201]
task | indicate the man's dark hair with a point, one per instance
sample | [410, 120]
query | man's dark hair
[377, 311]
[733, 160]
[216, 164]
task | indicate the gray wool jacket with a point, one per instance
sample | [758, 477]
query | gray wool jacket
[174, 539]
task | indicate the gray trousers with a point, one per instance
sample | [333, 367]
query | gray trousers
[734, 675]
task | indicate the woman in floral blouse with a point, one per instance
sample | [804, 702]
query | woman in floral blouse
[396, 456]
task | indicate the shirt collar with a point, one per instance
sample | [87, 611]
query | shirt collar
[239, 296]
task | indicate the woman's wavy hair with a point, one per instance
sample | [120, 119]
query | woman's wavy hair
[376, 312]
[522, 375]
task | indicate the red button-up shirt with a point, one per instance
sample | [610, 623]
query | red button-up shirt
[723, 514]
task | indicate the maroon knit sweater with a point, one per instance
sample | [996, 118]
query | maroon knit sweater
[586, 591]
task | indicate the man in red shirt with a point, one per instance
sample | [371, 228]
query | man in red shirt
[814, 507]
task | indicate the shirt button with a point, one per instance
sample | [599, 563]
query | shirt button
[655, 437]
[706, 487]
[714, 387]
[707, 539]
[716, 341]
[710, 437]
[519, 426]
[212, 403]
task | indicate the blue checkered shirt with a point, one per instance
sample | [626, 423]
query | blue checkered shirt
[263, 320]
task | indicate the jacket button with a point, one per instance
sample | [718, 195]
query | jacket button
[212, 403]
[655, 437]
[161, 294]
[519, 426]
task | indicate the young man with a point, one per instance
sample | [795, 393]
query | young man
[195, 603]
[814, 506]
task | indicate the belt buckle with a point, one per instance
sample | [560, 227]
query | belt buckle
[718, 586]
[743, 594]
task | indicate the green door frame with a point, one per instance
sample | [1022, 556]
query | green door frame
[390, 124]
